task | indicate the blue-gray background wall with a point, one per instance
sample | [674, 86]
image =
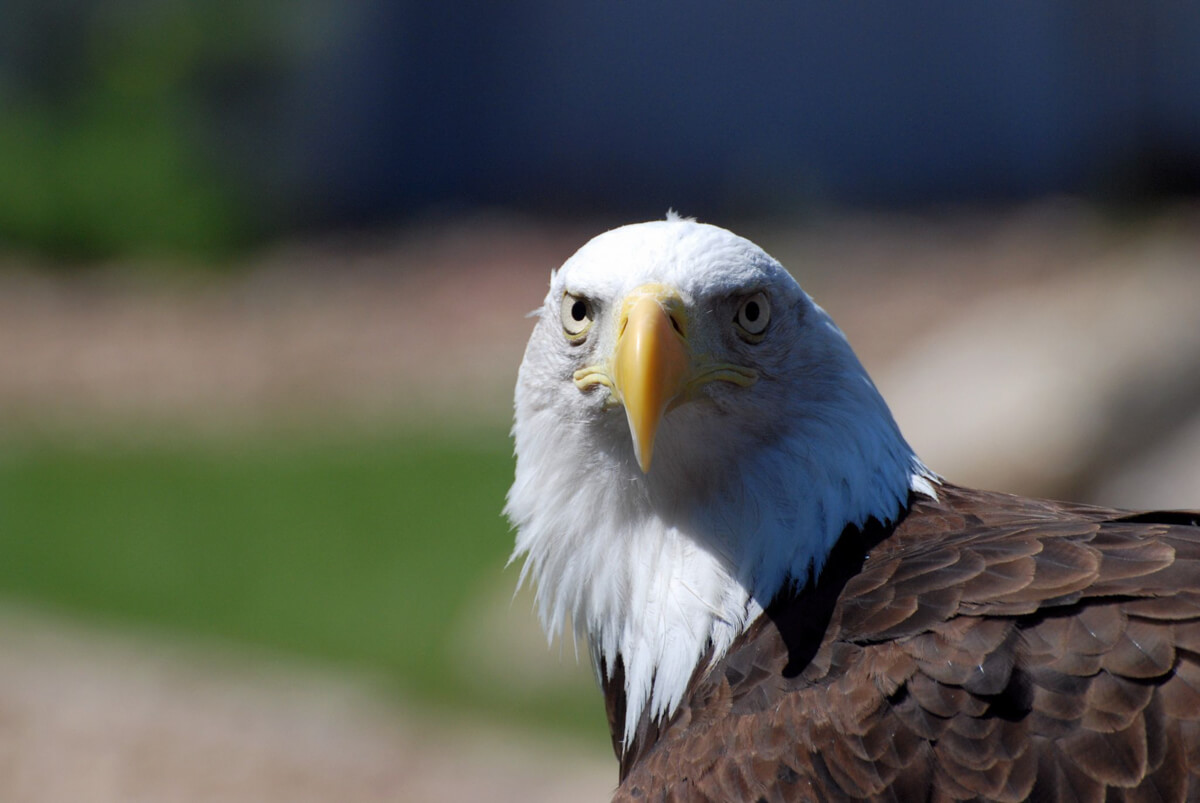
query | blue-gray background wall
[315, 113]
[749, 106]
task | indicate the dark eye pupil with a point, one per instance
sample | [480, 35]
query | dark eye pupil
[751, 311]
[578, 311]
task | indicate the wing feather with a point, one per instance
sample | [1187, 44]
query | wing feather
[989, 647]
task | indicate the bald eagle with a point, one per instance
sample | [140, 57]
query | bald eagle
[780, 600]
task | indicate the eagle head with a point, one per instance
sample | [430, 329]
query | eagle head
[692, 435]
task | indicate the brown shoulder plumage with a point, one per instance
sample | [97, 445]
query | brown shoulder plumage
[988, 647]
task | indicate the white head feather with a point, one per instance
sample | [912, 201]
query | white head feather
[750, 486]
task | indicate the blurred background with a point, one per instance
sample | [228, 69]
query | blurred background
[264, 268]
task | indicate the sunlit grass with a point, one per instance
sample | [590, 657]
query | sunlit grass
[361, 551]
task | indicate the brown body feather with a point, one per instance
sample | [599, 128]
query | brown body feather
[987, 647]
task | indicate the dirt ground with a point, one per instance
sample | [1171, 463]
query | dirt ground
[88, 715]
[1043, 350]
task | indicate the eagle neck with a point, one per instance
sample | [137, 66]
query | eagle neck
[662, 582]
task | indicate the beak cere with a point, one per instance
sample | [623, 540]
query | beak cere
[651, 363]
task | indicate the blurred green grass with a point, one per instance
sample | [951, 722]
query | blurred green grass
[111, 139]
[359, 550]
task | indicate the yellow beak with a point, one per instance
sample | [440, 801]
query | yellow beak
[651, 364]
[653, 367]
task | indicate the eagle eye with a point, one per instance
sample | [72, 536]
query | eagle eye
[577, 315]
[753, 315]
